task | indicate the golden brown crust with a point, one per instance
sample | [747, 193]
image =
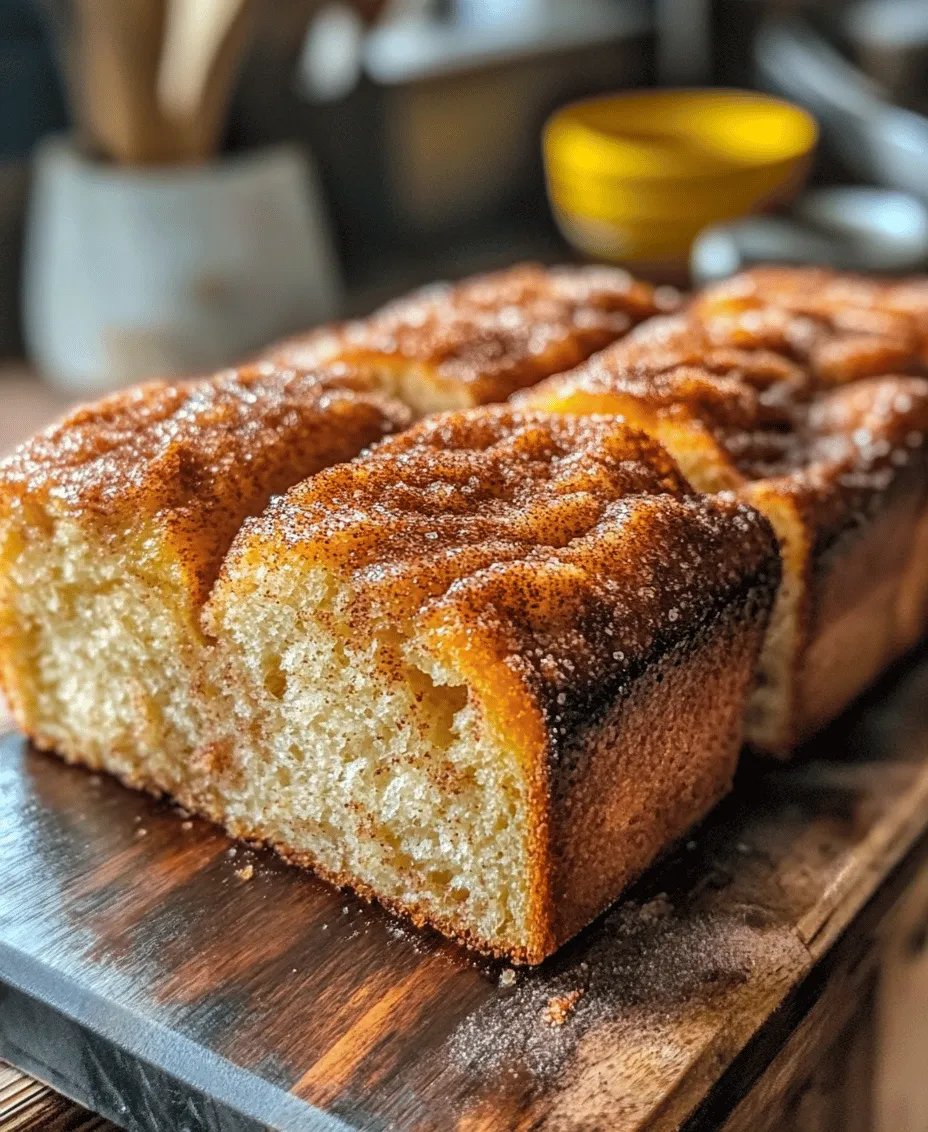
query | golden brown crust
[762, 426]
[843, 326]
[842, 474]
[563, 569]
[666, 343]
[863, 444]
[737, 432]
[456, 494]
[857, 449]
[540, 528]
[860, 498]
[482, 339]
[581, 621]
[640, 786]
[196, 457]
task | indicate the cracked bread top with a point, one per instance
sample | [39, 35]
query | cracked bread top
[861, 447]
[195, 456]
[550, 559]
[765, 419]
[666, 343]
[492, 334]
[739, 422]
[843, 326]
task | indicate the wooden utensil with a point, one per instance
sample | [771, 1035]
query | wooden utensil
[116, 54]
[150, 80]
[204, 41]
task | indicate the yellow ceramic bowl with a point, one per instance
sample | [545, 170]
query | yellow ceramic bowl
[636, 176]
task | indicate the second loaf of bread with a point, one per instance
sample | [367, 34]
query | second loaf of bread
[113, 526]
[842, 475]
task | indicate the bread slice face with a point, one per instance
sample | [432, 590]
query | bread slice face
[459, 345]
[488, 671]
[113, 526]
[842, 326]
[840, 475]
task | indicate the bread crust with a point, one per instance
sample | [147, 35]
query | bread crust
[842, 326]
[863, 498]
[667, 342]
[841, 473]
[197, 456]
[475, 342]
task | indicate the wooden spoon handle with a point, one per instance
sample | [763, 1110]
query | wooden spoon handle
[118, 47]
[204, 44]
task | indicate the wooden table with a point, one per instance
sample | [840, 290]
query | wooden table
[770, 976]
[27, 1106]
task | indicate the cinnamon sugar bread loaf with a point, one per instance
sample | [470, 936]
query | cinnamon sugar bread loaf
[841, 475]
[113, 526]
[488, 668]
[451, 346]
[488, 671]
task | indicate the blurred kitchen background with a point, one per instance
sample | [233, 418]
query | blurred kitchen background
[301, 160]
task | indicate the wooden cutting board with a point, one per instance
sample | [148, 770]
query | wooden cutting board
[169, 979]
[27, 1106]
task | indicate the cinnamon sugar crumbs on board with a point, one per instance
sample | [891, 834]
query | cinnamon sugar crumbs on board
[561, 1007]
[656, 908]
[245, 873]
[639, 972]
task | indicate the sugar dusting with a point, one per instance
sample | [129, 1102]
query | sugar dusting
[645, 966]
[490, 335]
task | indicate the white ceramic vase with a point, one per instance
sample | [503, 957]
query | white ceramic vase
[131, 273]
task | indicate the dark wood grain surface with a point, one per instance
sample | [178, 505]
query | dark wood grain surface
[145, 975]
[849, 1046]
[27, 1106]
